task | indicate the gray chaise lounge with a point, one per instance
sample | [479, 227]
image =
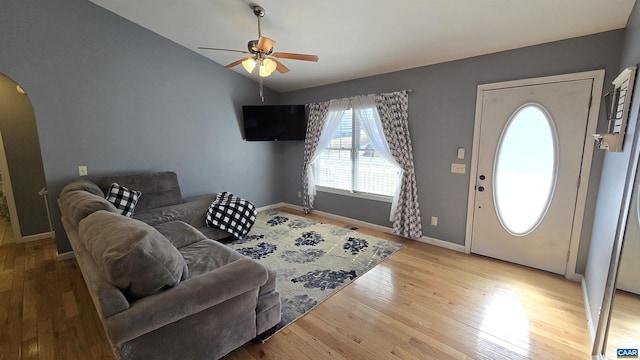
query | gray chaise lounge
[163, 289]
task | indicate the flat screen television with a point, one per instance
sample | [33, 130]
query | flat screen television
[274, 122]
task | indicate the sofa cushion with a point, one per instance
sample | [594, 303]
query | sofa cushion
[232, 214]
[123, 198]
[132, 255]
[215, 234]
[179, 233]
[85, 185]
[78, 204]
[192, 211]
[159, 188]
[207, 255]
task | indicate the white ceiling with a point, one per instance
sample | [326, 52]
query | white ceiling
[358, 38]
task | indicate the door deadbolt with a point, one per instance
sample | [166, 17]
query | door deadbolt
[481, 188]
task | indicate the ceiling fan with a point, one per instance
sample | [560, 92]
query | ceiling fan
[262, 54]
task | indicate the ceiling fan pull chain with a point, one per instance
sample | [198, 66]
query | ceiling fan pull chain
[261, 89]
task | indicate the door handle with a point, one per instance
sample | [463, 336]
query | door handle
[481, 188]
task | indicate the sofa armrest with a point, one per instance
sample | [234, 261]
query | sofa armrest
[187, 298]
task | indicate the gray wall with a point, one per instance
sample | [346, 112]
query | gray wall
[612, 183]
[441, 118]
[22, 150]
[118, 98]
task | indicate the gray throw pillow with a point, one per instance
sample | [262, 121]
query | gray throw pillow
[78, 204]
[132, 255]
[85, 185]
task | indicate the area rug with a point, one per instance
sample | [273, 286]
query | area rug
[313, 260]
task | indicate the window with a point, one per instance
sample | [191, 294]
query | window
[525, 170]
[349, 163]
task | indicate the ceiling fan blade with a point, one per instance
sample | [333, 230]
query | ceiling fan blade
[280, 67]
[235, 63]
[265, 44]
[238, 51]
[303, 57]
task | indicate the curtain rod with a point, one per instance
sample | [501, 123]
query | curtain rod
[407, 90]
[349, 97]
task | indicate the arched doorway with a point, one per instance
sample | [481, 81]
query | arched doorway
[21, 165]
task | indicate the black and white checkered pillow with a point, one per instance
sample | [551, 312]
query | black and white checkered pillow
[231, 214]
[123, 198]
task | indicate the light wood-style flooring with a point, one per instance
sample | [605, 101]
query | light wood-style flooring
[624, 330]
[6, 233]
[423, 302]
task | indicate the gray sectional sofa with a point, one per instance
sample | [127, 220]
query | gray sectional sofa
[162, 285]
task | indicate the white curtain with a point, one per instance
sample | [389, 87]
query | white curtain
[394, 116]
[388, 128]
[365, 111]
[334, 117]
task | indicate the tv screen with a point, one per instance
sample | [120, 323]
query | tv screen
[274, 122]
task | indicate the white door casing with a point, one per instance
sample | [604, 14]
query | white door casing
[8, 192]
[553, 242]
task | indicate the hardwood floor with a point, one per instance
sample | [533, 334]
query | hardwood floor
[6, 233]
[423, 302]
[624, 327]
[45, 309]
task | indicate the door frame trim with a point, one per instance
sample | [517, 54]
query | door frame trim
[11, 202]
[585, 170]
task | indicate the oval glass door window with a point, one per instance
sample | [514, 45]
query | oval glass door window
[525, 169]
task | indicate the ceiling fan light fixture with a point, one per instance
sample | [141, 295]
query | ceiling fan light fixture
[257, 52]
[267, 66]
[263, 71]
[270, 65]
[249, 64]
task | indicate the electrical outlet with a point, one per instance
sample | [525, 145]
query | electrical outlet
[458, 168]
[82, 170]
[299, 194]
[434, 221]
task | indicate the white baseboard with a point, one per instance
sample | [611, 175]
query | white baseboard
[65, 256]
[360, 223]
[587, 311]
[47, 235]
[385, 229]
[278, 205]
[442, 243]
[574, 277]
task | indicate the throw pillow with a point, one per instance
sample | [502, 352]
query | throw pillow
[78, 204]
[123, 198]
[132, 255]
[231, 214]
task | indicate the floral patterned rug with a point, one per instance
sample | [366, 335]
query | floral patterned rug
[313, 260]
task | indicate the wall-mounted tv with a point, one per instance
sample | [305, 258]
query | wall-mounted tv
[274, 122]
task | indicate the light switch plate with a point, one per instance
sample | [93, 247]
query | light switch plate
[458, 168]
[82, 170]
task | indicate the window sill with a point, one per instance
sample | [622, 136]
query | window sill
[361, 195]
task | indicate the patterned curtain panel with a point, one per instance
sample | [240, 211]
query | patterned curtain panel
[394, 116]
[315, 123]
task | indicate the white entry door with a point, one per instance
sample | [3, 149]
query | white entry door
[530, 151]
